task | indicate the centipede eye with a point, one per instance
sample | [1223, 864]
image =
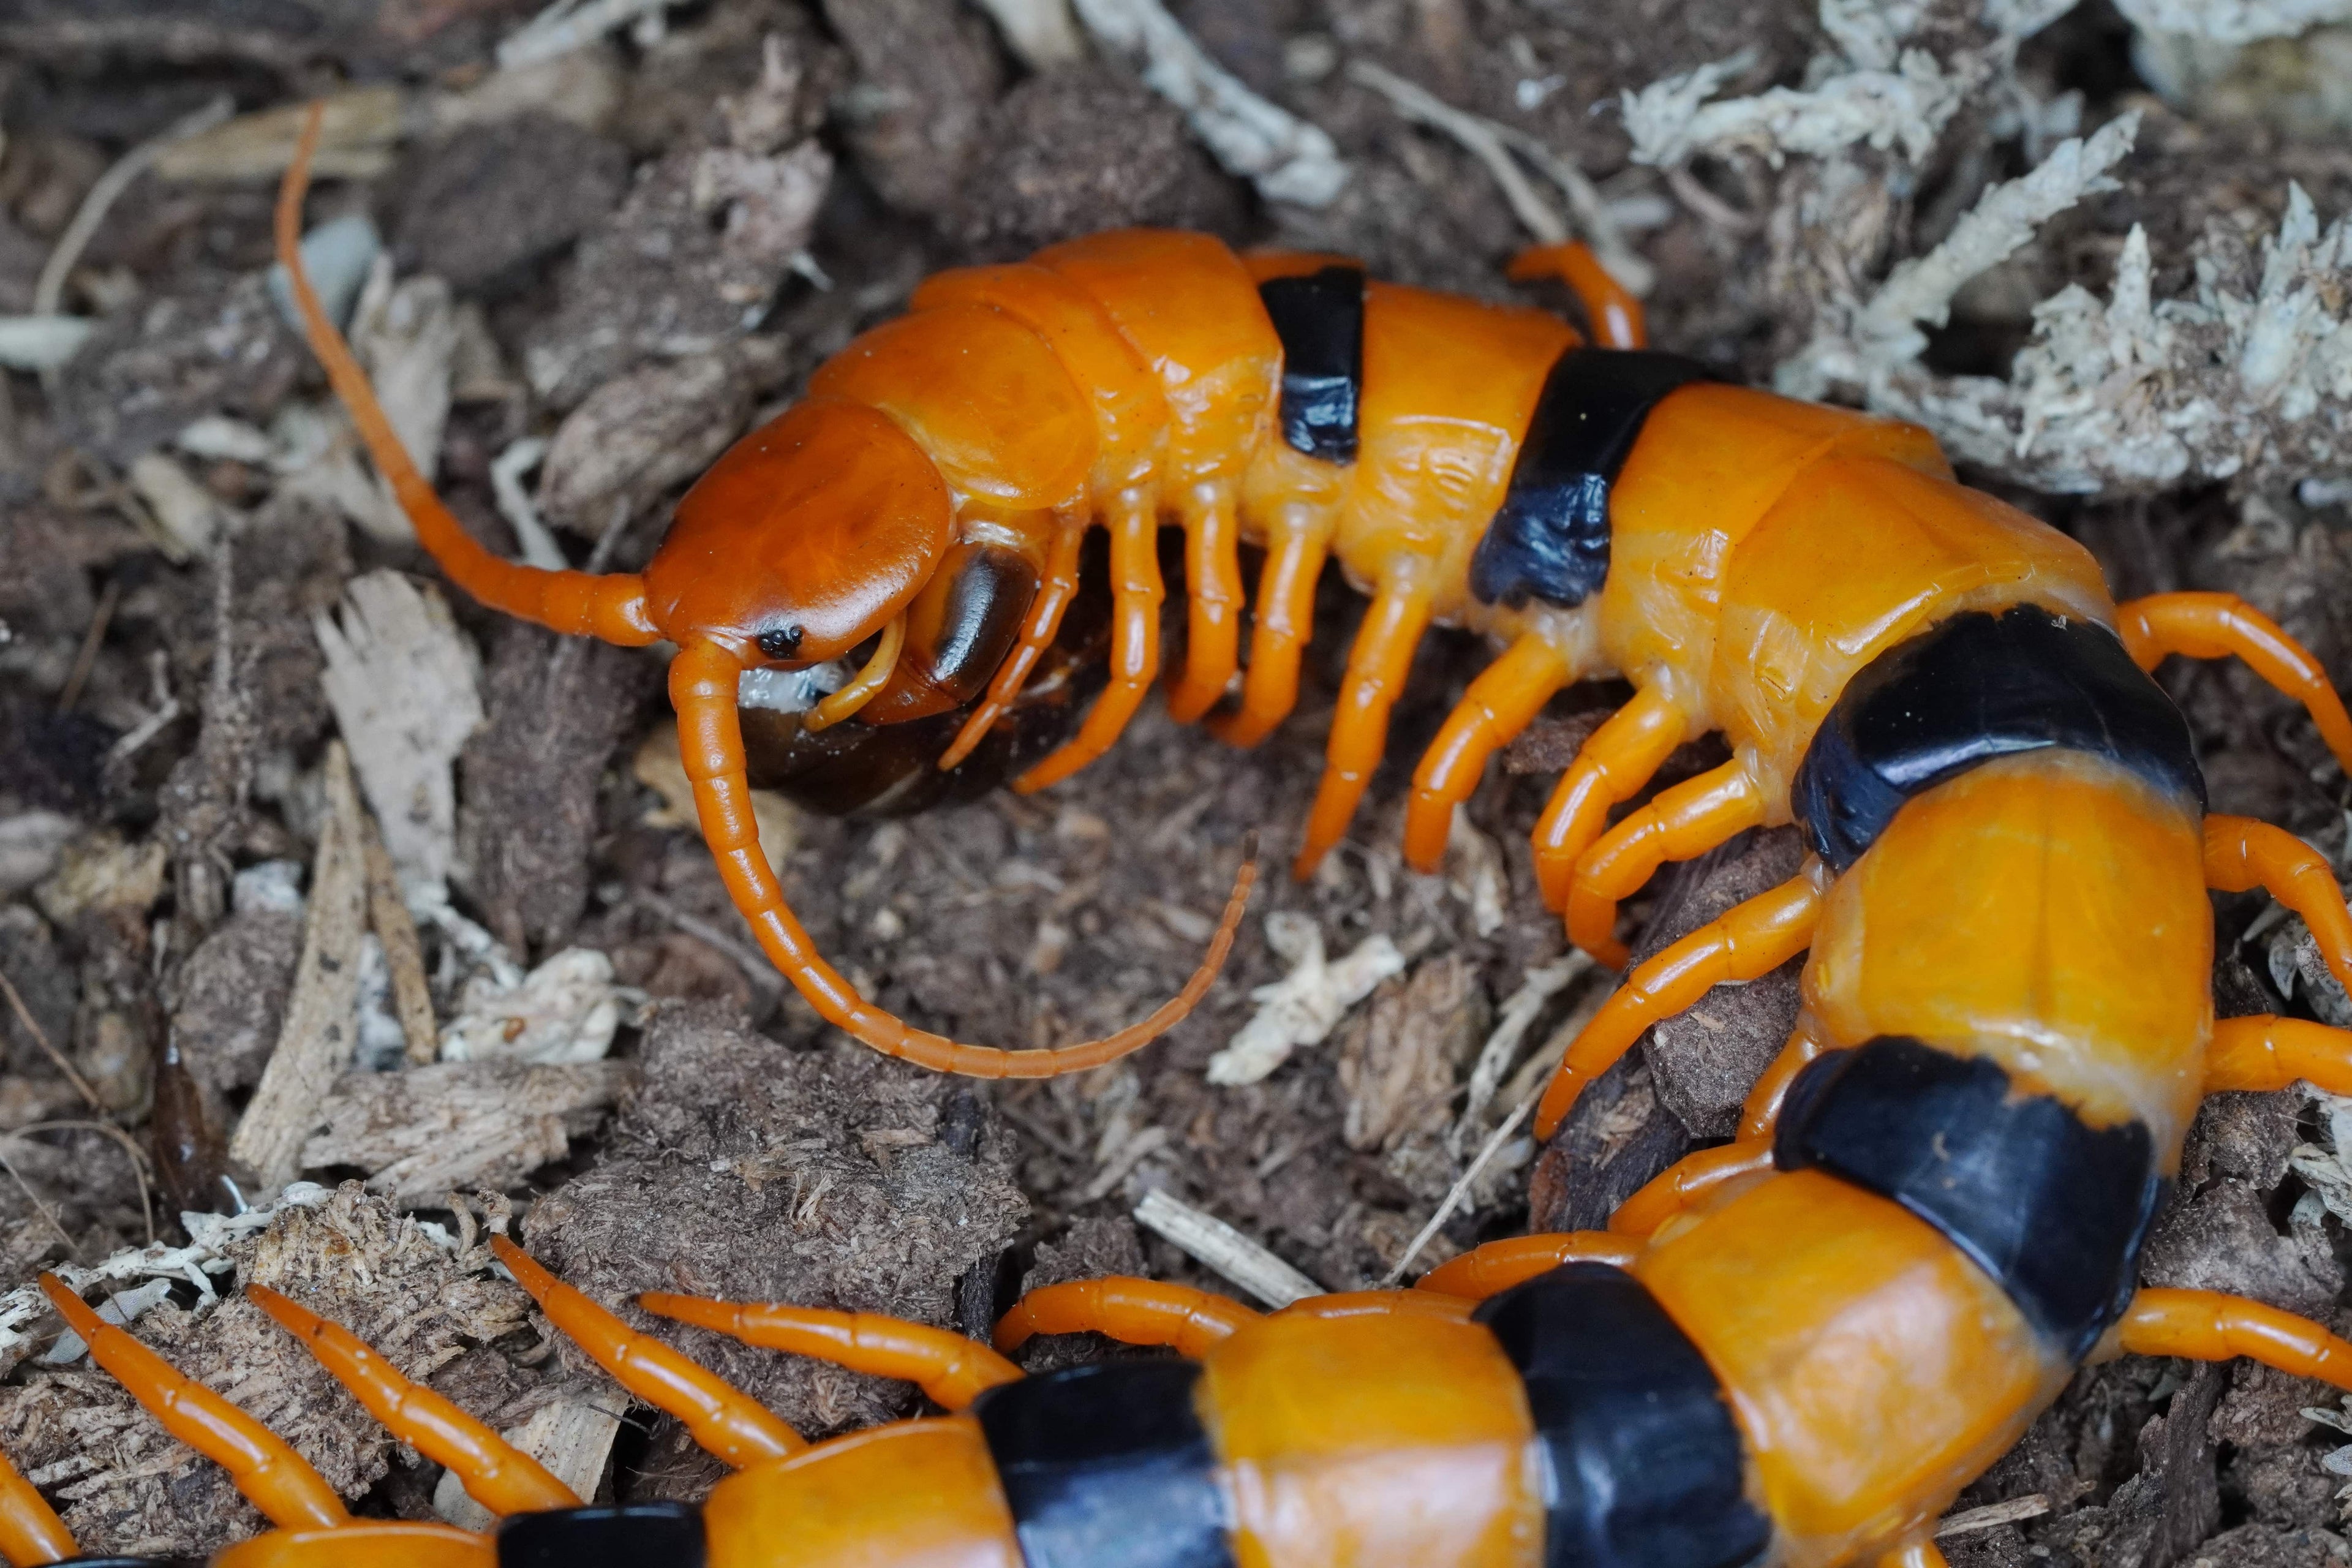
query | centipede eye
[780, 642]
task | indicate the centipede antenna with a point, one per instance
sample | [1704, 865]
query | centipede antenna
[729, 1424]
[702, 688]
[264, 1466]
[611, 606]
[31, 1532]
[496, 1474]
[952, 1370]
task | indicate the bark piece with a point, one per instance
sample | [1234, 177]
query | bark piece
[454, 1126]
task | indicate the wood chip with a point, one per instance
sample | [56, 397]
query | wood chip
[315, 1044]
[1968, 1521]
[1224, 1249]
[404, 957]
[459, 1125]
[573, 1437]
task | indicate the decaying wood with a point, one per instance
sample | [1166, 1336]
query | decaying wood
[1224, 1249]
[571, 1437]
[404, 958]
[422, 1132]
[316, 1042]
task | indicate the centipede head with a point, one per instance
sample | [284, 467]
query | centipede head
[805, 539]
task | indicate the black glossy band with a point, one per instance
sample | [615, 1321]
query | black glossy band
[1549, 539]
[1972, 687]
[1108, 1466]
[1319, 318]
[645, 1535]
[2055, 1210]
[1647, 1469]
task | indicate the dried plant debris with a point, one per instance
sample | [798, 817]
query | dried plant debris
[456, 1125]
[1303, 1007]
[828, 1177]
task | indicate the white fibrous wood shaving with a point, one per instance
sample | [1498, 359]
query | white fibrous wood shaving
[205, 1255]
[403, 683]
[1288, 159]
[2233, 21]
[563, 1011]
[1224, 1249]
[185, 510]
[1538, 986]
[455, 1126]
[1302, 1007]
[2248, 377]
[1908, 105]
[1474, 873]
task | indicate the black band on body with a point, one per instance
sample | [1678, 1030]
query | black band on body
[1108, 1466]
[1319, 318]
[1550, 536]
[2054, 1210]
[644, 1535]
[1647, 1469]
[1972, 687]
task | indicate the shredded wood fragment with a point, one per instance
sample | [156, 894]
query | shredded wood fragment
[2013, 1510]
[406, 334]
[573, 1437]
[184, 508]
[459, 1125]
[1536, 987]
[403, 683]
[1303, 1006]
[1288, 159]
[356, 137]
[388, 916]
[563, 1011]
[1224, 1249]
[2233, 21]
[315, 1043]
[1042, 32]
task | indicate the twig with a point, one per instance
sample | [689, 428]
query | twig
[507, 469]
[41, 1038]
[566, 26]
[109, 596]
[404, 958]
[2034, 1505]
[130, 1145]
[167, 708]
[38, 1206]
[51, 285]
[1461, 1188]
[1224, 1249]
[1710, 206]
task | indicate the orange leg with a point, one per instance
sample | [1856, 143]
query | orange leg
[1614, 765]
[728, 1423]
[1762, 1111]
[1132, 1312]
[1681, 824]
[702, 682]
[952, 1370]
[1213, 576]
[30, 1530]
[1503, 700]
[2241, 853]
[1918, 1554]
[264, 1466]
[1615, 315]
[497, 1474]
[2261, 1052]
[1285, 620]
[1748, 941]
[1059, 586]
[1379, 1304]
[1377, 666]
[612, 607]
[362, 1544]
[1136, 594]
[2207, 1325]
[2214, 626]
[1686, 1182]
[1491, 1269]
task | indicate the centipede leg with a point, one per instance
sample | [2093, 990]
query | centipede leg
[727, 1423]
[30, 1530]
[1502, 702]
[262, 1464]
[1617, 761]
[1748, 941]
[2215, 625]
[1130, 1310]
[1377, 666]
[1491, 1269]
[1058, 588]
[1917, 1554]
[1762, 1110]
[2208, 1325]
[2243, 853]
[1379, 1304]
[2261, 1052]
[1135, 595]
[952, 1370]
[1681, 824]
[1213, 602]
[1285, 620]
[496, 1474]
[1686, 1182]
[1609, 307]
